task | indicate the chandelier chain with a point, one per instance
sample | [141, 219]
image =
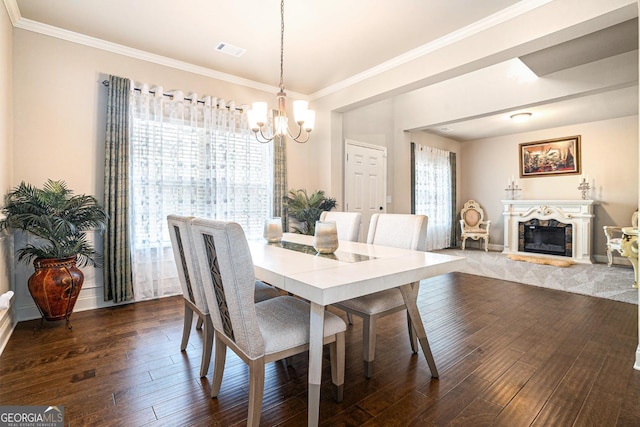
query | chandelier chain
[281, 46]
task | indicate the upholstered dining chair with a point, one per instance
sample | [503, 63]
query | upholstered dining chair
[614, 237]
[400, 231]
[192, 291]
[473, 225]
[261, 332]
[347, 223]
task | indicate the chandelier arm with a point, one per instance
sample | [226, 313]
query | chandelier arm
[298, 135]
[308, 135]
[264, 138]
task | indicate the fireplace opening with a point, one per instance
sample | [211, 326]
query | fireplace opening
[549, 237]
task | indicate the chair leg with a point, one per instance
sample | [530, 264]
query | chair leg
[199, 323]
[413, 338]
[218, 366]
[256, 391]
[368, 344]
[349, 318]
[186, 327]
[207, 345]
[486, 244]
[609, 257]
[336, 351]
[464, 239]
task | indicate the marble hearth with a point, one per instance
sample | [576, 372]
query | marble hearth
[578, 213]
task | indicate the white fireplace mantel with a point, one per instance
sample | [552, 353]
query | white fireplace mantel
[579, 213]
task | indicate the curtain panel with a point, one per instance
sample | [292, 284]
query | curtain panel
[196, 158]
[433, 193]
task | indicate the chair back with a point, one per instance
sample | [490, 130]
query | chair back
[348, 223]
[403, 231]
[226, 268]
[634, 219]
[472, 214]
[186, 264]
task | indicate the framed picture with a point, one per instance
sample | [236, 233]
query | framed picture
[550, 157]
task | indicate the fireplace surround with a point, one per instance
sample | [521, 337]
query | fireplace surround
[553, 228]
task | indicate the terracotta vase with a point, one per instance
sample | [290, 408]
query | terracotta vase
[55, 286]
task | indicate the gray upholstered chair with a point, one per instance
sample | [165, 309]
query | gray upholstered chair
[614, 237]
[473, 225]
[348, 223]
[192, 291]
[400, 231]
[257, 332]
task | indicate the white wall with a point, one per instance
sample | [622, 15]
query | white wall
[7, 317]
[59, 126]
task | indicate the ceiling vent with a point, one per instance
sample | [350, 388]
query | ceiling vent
[230, 49]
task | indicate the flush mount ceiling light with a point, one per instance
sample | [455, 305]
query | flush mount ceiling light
[303, 117]
[521, 117]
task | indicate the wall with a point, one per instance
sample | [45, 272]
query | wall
[609, 157]
[60, 106]
[7, 317]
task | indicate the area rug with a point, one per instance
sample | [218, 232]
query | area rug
[597, 280]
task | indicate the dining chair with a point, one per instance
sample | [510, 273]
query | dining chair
[261, 332]
[400, 231]
[192, 291]
[347, 223]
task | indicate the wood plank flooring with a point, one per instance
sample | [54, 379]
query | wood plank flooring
[508, 355]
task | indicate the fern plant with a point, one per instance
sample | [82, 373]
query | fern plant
[307, 209]
[59, 218]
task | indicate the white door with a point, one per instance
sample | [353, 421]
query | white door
[365, 181]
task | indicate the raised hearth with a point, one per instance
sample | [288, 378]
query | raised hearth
[537, 216]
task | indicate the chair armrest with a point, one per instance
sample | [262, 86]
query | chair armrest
[488, 223]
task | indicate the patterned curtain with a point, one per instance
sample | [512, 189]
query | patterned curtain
[433, 193]
[194, 157]
[117, 274]
[280, 179]
[455, 230]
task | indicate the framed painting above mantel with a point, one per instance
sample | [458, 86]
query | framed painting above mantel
[560, 156]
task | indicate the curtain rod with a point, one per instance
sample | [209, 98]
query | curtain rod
[168, 95]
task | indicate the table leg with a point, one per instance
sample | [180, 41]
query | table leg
[410, 293]
[316, 335]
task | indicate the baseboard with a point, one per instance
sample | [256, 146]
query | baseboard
[89, 299]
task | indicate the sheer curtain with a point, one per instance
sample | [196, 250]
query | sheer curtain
[433, 193]
[190, 157]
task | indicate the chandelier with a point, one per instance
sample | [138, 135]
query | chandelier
[303, 117]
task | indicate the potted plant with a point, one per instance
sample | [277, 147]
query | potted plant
[307, 209]
[59, 220]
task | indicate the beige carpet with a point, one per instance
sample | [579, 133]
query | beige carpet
[596, 280]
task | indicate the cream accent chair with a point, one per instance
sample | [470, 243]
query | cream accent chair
[192, 291]
[348, 223]
[261, 332]
[399, 231]
[614, 237]
[473, 225]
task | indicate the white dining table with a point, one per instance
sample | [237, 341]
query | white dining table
[354, 270]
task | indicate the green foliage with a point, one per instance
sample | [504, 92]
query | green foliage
[307, 209]
[56, 216]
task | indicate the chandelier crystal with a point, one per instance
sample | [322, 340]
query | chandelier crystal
[304, 118]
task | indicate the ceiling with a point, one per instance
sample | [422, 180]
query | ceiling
[327, 43]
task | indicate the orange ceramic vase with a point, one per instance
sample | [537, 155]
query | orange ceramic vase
[55, 286]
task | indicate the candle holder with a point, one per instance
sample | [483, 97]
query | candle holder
[325, 240]
[512, 190]
[273, 230]
[584, 187]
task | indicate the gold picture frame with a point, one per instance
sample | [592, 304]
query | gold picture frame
[560, 156]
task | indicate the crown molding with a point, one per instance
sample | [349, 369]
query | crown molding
[504, 15]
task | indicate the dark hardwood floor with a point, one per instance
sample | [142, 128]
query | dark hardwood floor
[508, 355]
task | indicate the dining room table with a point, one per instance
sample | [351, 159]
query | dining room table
[353, 270]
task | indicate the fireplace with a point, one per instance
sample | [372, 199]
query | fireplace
[551, 228]
[549, 237]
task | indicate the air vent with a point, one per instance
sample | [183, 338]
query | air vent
[230, 49]
[445, 129]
